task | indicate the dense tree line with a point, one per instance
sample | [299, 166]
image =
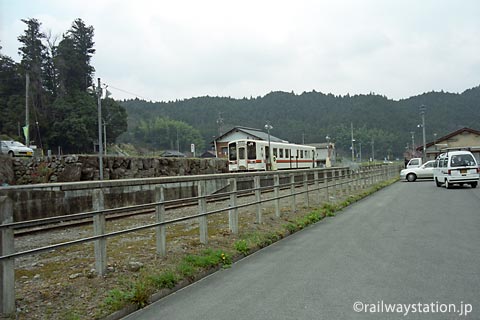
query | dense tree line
[311, 116]
[63, 111]
[167, 134]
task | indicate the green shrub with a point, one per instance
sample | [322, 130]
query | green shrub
[208, 258]
[291, 227]
[167, 279]
[241, 246]
[141, 293]
[186, 270]
[116, 299]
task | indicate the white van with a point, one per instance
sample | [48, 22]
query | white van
[456, 167]
[414, 163]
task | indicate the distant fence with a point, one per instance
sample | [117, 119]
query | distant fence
[313, 183]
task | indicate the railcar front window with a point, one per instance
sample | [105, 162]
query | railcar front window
[252, 151]
[232, 152]
[241, 153]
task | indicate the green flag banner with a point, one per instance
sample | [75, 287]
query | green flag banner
[25, 132]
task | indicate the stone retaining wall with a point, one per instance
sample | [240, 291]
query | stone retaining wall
[73, 168]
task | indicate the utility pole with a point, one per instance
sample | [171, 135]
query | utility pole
[105, 136]
[413, 143]
[26, 130]
[269, 153]
[373, 150]
[100, 142]
[360, 152]
[423, 108]
[353, 140]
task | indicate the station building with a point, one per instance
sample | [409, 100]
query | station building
[462, 138]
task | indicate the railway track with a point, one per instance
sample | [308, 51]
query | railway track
[22, 232]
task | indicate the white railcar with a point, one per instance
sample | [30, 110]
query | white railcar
[254, 155]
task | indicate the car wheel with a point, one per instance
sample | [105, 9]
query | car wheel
[10, 153]
[437, 183]
[411, 177]
[448, 185]
[474, 184]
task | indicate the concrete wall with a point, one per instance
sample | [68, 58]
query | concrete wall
[56, 199]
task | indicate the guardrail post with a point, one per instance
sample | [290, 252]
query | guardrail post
[292, 192]
[98, 230]
[160, 217]
[325, 180]
[356, 176]
[7, 267]
[350, 186]
[305, 187]
[317, 185]
[258, 198]
[363, 178]
[276, 183]
[343, 182]
[202, 207]
[233, 212]
[335, 175]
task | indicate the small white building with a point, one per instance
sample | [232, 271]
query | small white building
[325, 154]
[462, 138]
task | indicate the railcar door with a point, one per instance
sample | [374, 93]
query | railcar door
[242, 156]
[232, 157]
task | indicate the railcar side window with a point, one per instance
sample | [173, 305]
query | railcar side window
[287, 153]
[280, 153]
[275, 152]
[252, 150]
[232, 152]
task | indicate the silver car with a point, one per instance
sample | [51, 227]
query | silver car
[15, 149]
[425, 171]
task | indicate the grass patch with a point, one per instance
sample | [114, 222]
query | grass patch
[168, 280]
[242, 247]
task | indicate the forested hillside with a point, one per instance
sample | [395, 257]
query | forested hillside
[311, 116]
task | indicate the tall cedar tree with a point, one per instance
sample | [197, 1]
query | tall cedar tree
[12, 99]
[73, 60]
[34, 61]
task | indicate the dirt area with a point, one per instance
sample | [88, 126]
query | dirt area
[63, 284]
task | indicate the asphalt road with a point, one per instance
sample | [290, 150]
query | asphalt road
[410, 243]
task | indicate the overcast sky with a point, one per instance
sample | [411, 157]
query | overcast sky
[166, 50]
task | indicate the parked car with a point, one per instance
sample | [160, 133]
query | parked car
[15, 149]
[456, 167]
[424, 171]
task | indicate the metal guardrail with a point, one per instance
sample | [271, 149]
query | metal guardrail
[327, 180]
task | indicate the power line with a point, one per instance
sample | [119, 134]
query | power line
[127, 92]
